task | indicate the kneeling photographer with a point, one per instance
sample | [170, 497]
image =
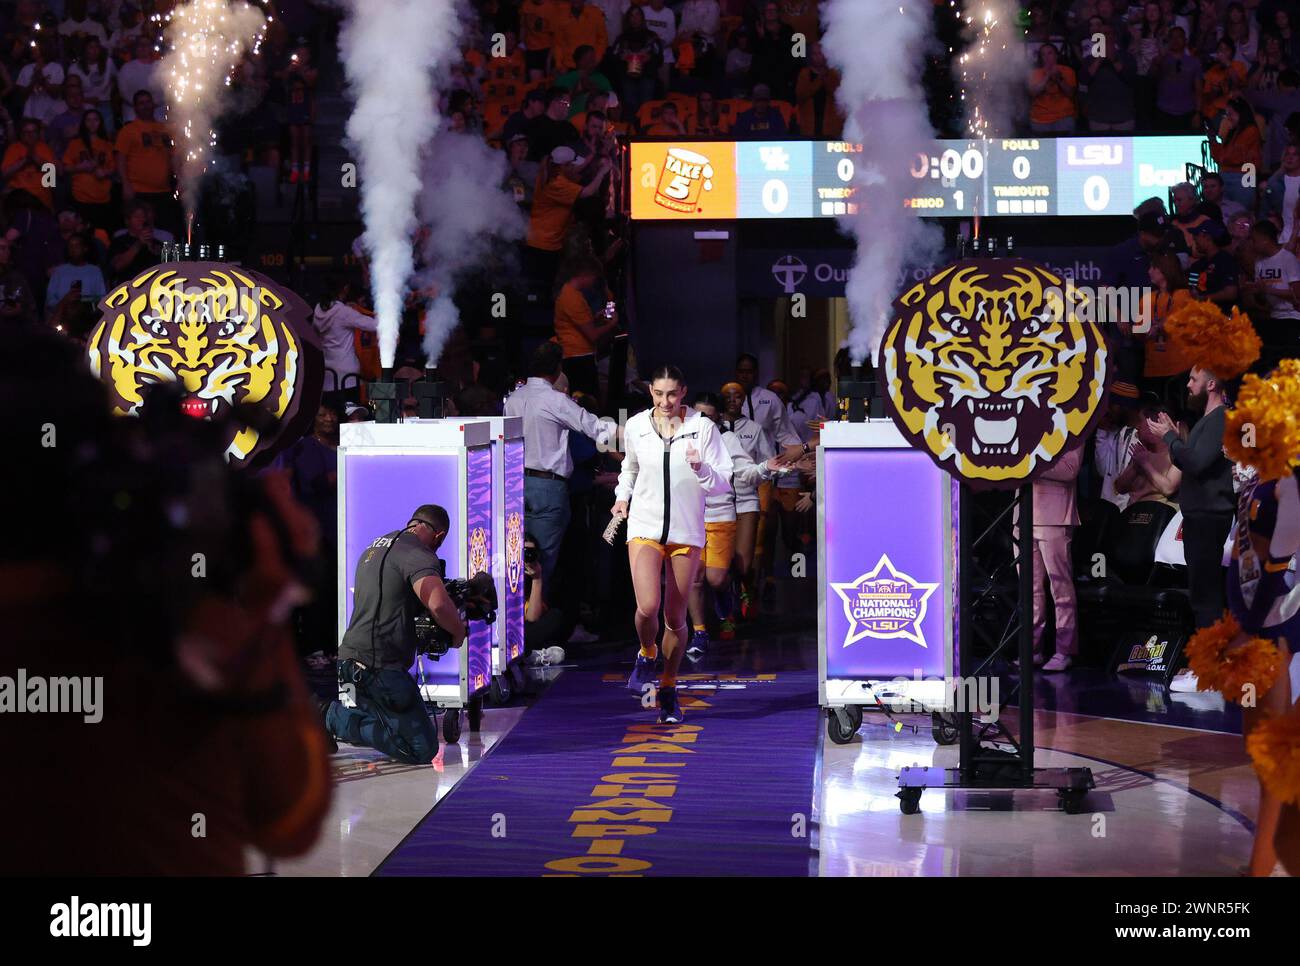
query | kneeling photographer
[398, 579]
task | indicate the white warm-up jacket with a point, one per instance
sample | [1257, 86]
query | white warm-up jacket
[745, 477]
[751, 437]
[666, 497]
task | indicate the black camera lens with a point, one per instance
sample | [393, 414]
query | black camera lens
[530, 555]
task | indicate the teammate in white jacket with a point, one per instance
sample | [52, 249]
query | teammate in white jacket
[672, 461]
[720, 512]
[748, 497]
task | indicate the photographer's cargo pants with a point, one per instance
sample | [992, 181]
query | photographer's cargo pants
[389, 717]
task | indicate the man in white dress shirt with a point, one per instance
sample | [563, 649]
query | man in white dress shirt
[548, 418]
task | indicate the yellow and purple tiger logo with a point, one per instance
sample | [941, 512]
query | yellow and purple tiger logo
[478, 552]
[992, 371]
[228, 336]
[514, 551]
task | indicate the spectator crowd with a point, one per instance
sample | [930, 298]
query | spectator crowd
[88, 159]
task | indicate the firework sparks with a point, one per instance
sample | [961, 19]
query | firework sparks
[206, 41]
[989, 68]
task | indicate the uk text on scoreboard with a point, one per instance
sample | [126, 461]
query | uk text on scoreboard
[704, 180]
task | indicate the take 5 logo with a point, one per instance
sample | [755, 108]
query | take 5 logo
[683, 179]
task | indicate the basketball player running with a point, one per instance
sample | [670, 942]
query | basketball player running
[748, 505]
[720, 527]
[673, 460]
[766, 409]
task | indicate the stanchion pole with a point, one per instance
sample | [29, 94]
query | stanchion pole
[1025, 555]
[965, 632]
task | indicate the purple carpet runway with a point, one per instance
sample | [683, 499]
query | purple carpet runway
[589, 784]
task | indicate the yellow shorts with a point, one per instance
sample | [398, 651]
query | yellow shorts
[719, 544]
[665, 549]
[787, 497]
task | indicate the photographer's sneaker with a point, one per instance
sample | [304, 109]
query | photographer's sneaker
[323, 706]
[1185, 680]
[643, 673]
[670, 712]
[581, 635]
[1059, 662]
[698, 645]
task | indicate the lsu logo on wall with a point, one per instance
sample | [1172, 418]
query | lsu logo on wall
[478, 552]
[990, 369]
[514, 551]
[229, 336]
[885, 603]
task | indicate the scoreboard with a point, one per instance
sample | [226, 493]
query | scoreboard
[951, 179]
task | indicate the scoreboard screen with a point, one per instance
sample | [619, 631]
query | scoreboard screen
[951, 179]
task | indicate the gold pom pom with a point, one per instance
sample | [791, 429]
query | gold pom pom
[1262, 429]
[1229, 672]
[1274, 747]
[1224, 344]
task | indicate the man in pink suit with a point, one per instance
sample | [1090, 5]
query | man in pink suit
[1055, 517]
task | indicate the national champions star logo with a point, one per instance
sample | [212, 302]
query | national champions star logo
[885, 603]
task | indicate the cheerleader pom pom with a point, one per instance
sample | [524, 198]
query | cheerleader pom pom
[1262, 430]
[1274, 747]
[1226, 345]
[1256, 664]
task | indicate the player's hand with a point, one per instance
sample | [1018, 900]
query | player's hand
[791, 453]
[804, 503]
[620, 509]
[692, 457]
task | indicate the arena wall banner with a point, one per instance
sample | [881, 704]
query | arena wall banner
[995, 369]
[229, 336]
[823, 272]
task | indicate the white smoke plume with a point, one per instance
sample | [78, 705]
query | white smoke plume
[879, 50]
[206, 40]
[990, 71]
[466, 212]
[391, 49]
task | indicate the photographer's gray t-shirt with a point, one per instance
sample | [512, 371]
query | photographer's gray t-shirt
[381, 633]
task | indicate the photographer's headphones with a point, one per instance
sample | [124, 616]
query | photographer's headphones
[435, 527]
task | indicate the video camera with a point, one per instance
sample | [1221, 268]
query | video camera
[475, 598]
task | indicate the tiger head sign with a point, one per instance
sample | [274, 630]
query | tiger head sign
[227, 335]
[995, 368]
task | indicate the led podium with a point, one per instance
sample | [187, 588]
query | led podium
[385, 471]
[886, 550]
[507, 433]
